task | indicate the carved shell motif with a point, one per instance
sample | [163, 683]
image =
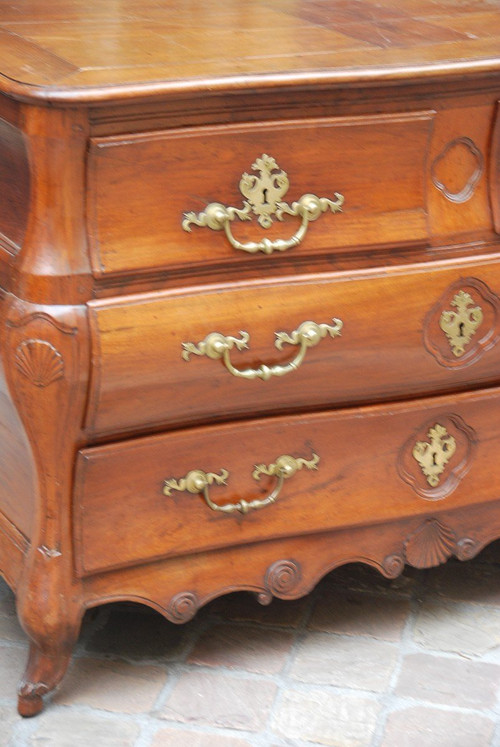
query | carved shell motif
[39, 361]
[430, 545]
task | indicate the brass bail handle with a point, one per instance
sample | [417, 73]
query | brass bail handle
[196, 481]
[264, 195]
[217, 346]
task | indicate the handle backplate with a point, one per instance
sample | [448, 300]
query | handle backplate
[264, 197]
[197, 481]
[217, 346]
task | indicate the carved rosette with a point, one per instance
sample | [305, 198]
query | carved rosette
[437, 456]
[393, 566]
[449, 163]
[467, 548]
[182, 607]
[39, 361]
[282, 577]
[463, 324]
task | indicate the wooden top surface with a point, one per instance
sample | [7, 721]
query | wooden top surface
[107, 49]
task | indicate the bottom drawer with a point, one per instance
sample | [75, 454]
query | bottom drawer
[219, 486]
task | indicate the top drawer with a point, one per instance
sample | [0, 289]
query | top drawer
[141, 186]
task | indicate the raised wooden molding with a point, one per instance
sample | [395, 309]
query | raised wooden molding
[450, 155]
[484, 338]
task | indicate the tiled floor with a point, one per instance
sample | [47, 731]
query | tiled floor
[361, 661]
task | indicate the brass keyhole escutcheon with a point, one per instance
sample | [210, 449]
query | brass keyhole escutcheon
[264, 192]
[461, 324]
[434, 456]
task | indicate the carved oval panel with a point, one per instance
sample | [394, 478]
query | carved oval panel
[436, 457]
[457, 169]
[463, 324]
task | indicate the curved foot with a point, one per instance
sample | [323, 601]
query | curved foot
[29, 700]
[43, 673]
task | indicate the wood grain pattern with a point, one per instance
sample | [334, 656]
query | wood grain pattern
[119, 487]
[14, 187]
[115, 119]
[448, 218]
[381, 546]
[144, 48]
[144, 334]
[47, 596]
[141, 187]
[17, 472]
[13, 549]
[495, 169]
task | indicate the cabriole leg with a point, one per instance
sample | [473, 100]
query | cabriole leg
[44, 671]
[47, 363]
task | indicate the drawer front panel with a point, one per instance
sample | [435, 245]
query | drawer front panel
[365, 465]
[495, 170]
[392, 345]
[14, 187]
[140, 187]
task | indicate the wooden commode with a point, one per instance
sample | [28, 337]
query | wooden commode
[250, 300]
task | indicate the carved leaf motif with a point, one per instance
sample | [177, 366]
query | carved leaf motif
[430, 545]
[39, 361]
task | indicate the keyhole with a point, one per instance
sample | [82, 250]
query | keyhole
[434, 462]
[461, 329]
[264, 195]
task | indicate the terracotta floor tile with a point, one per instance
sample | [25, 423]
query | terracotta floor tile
[254, 649]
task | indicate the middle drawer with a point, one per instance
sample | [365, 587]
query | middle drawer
[219, 352]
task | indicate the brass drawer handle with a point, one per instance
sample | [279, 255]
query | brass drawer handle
[264, 195]
[216, 346]
[197, 481]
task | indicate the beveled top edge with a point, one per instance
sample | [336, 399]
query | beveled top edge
[372, 78]
[88, 51]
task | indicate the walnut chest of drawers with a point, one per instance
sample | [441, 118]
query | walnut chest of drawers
[250, 300]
